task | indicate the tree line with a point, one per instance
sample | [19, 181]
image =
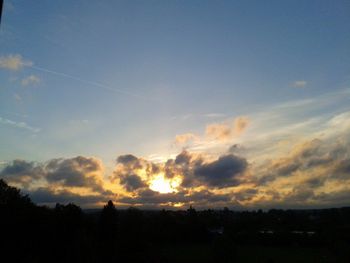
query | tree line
[66, 233]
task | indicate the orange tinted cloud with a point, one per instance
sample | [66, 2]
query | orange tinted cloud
[226, 131]
[13, 62]
[240, 125]
[185, 138]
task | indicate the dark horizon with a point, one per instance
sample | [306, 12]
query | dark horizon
[66, 233]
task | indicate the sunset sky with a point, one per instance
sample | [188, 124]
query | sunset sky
[244, 104]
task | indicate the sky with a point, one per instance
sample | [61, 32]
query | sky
[166, 104]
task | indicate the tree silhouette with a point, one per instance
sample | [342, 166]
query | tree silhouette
[109, 213]
[11, 196]
[108, 244]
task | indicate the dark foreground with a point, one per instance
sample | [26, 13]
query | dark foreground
[30, 233]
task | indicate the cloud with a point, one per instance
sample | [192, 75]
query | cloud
[30, 80]
[312, 174]
[237, 149]
[218, 131]
[322, 158]
[246, 194]
[222, 172]
[202, 198]
[215, 134]
[339, 198]
[20, 125]
[21, 172]
[185, 138]
[14, 62]
[312, 171]
[127, 159]
[343, 168]
[79, 171]
[132, 172]
[299, 84]
[187, 170]
[183, 158]
[132, 182]
[227, 130]
[49, 196]
[240, 124]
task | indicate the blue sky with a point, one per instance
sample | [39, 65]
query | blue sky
[106, 78]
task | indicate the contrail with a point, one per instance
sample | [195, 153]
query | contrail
[92, 83]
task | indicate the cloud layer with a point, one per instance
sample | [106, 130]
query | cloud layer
[312, 171]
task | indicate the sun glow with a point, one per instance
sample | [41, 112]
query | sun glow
[164, 185]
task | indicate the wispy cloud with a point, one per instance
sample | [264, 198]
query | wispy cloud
[269, 126]
[20, 125]
[14, 62]
[299, 84]
[91, 83]
[183, 139]
[31, 80]
[225, 131]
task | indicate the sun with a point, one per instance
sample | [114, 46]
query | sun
[164, 185]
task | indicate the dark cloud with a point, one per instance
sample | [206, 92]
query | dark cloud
[131, 182]
[343, 167]
[21, 172]
[152, 168]
[49, 197]
[299, 194]
[222, 172]
[76, 172]
[317, 161]
[72, 172]
[287, 168]
[314, 182]
[334, 198]
[183, 158]
[131, 162]
[18, 167]
[309, 157]
[127, 158]
[237, 149]
[304, 156]
[246, 194]
[148, 197]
